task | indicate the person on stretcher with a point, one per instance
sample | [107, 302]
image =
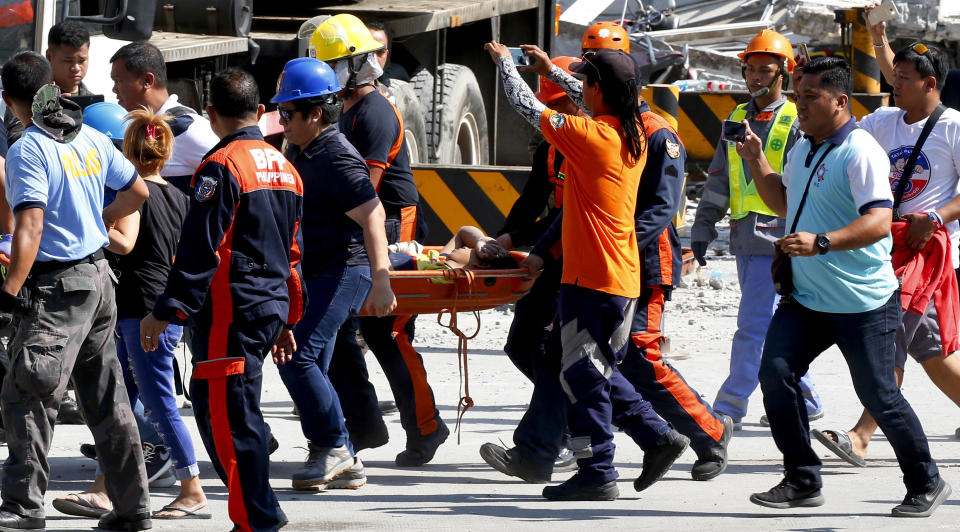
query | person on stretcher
[469, 248]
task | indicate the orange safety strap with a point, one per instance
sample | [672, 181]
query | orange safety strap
[460, 275]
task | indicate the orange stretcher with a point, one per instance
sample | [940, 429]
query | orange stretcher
[419, 292]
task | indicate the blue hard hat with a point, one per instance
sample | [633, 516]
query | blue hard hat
[305, 77]
[107, 118]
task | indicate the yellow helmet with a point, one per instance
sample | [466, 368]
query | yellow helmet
[338, 37]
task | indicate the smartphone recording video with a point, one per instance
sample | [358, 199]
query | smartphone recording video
[519, 58]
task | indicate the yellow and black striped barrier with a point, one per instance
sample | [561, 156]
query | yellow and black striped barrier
[663, 100]
[701, 115]
[858, 44]
[454, 196]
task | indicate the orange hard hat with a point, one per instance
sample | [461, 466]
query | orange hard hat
[606, 35]
[770, 42]
[548, 90]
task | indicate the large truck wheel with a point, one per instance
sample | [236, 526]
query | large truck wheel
[414, 120]
[462, 120]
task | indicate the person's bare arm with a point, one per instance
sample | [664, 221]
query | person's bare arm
[370, 217]
[26, 244]
[123, 235]
[870, 227]
[769, 183]
[878, 32]
[127, 202]
[376, 175]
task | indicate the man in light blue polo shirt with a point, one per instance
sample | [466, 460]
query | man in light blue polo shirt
[59, 289]
[845, 292]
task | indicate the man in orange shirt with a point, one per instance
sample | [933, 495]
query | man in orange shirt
[600, 283]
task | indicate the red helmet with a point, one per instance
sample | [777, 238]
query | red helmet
[606, 35]
[548, 90]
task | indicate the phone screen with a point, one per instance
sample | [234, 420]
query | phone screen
[734, 131]
[518, 58]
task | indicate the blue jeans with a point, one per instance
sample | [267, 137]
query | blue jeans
[796, 337]
[753, 318]
[153, 375]
[333, 297]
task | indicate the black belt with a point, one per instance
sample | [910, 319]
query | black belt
[47, 266]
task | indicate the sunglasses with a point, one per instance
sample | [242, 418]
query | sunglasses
[923, 51]
[286, 114]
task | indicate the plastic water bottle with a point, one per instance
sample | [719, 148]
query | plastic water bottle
[683, 84]
[716, 279]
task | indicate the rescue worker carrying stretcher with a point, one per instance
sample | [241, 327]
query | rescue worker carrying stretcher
[375, 127]
[345, 259]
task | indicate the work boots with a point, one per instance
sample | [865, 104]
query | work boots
[657, 461]
[421, 450]
[711, 465]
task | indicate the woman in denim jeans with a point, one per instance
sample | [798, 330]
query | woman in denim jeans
[144, 245]
[345, 264]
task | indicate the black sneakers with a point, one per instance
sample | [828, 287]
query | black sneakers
[785, 495]
[657, 461]
[510, 462]
[421, 451]
[923, 504]
[156, 458]
[711, 465]
[578, 489]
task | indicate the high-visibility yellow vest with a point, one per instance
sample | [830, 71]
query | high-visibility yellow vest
[743, 196]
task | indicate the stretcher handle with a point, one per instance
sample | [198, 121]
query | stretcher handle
[438, 274]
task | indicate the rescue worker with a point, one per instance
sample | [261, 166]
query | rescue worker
[375, 128]
[597, 301]
[767, 61]
[236, 280]
[345, 253]
[59, 289]
[538, 436]
[139, 75]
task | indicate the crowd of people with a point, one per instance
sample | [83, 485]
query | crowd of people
[131, 227]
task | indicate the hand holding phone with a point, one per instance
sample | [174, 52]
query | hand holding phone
[519, 58]
[882, 13]
[804, 53]
[733, 131]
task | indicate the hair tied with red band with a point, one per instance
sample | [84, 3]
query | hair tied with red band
[152, 131]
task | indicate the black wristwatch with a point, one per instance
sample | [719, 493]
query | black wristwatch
[823, 243]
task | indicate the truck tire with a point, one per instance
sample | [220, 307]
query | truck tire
[461, 122]
[414, 120]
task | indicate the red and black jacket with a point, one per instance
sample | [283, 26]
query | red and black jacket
[658, 198]
[239, 252]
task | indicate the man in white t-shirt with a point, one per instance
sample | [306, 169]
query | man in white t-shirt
[931, 199]
[140, 79]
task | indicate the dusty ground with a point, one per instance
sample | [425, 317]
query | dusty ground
[457, 491]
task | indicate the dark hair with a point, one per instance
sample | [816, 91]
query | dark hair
[142, 57]
[234, 93]
[376, 25]
[331, 105]
[69, 33]
[933, 63]
[834, 74]
[622, 98]
[24, 74]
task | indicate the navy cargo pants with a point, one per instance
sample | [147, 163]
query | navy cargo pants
[594, 331]
[227, 377]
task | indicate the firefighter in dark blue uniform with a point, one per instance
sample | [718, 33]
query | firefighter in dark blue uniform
[237, 282]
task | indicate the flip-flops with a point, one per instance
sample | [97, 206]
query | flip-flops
[841, 446]
[187, 514]
[81, 507]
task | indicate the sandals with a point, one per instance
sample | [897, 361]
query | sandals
[80, 507]
[839, 443]
[187, 514]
